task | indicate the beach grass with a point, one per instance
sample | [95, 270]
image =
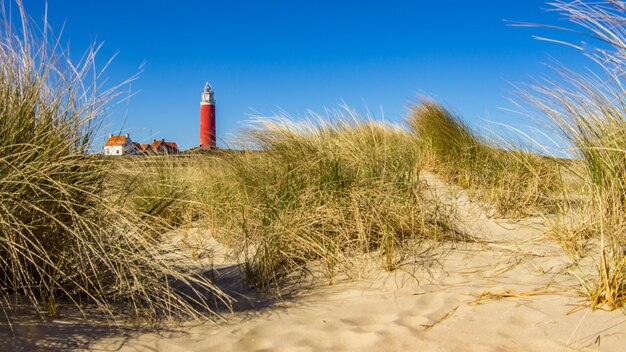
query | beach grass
[511, 181]
[585, 111]
[65, 238]
[297, 198]
[309, 196]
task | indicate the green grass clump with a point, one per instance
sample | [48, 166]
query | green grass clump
[312, 195]
[515, 182]
[64, 236]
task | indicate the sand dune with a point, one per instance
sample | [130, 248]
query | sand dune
[511, 290]
[440, 313]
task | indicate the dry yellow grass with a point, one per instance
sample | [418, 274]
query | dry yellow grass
[65, 238]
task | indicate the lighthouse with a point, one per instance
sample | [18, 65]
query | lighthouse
[207, 118]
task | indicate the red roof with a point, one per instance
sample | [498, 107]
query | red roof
[172, 145]
[156, 144]
[115, 141]
[168, 145]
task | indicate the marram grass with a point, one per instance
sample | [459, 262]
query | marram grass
[65, 239]
[301, 197]
[315, 194]
[516, 183]
[586, 113]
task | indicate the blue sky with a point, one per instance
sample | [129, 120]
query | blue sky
[266, 56]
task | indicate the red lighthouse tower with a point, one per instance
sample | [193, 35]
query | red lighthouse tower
[207, 118]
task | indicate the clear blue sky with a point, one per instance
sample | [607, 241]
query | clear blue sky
[264, 56]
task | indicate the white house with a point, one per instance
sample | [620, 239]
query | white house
[120, 145]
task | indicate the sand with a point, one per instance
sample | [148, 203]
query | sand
[513, 290]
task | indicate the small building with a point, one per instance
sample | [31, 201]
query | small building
[120, 145]
[146, 148]
[163, 147]
[172, 147]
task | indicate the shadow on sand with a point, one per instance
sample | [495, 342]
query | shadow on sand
[28, 332]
